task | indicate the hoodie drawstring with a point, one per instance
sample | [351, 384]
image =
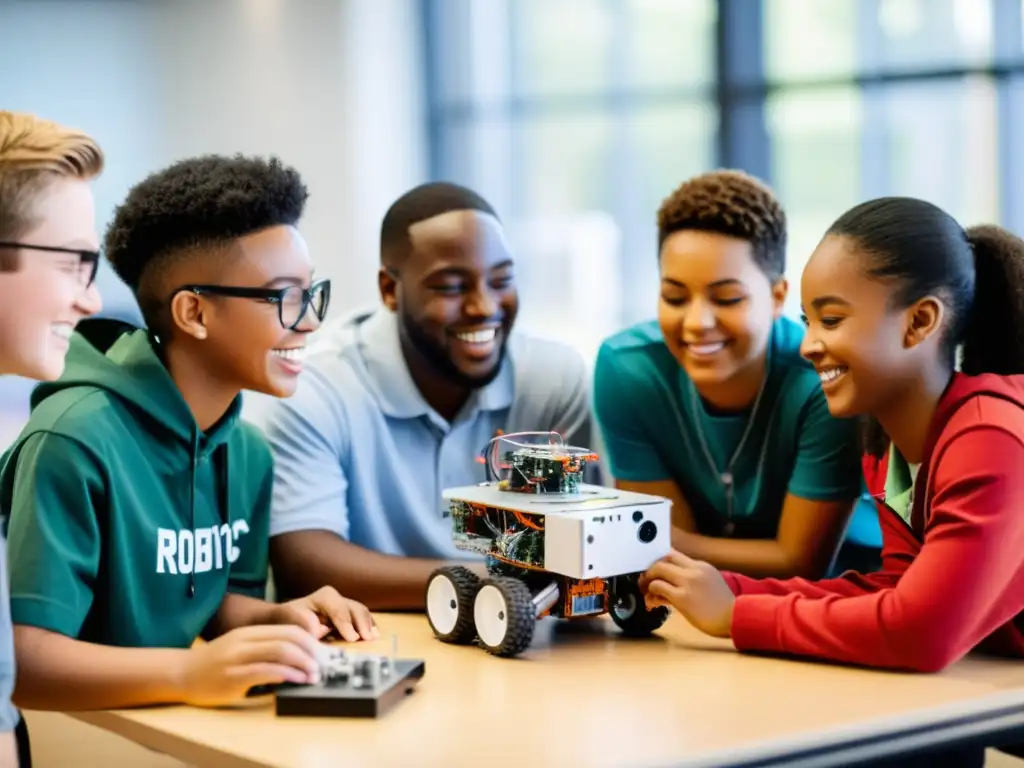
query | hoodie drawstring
[220, 460]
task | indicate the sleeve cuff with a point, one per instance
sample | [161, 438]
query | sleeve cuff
[755, 623]
[45, 614]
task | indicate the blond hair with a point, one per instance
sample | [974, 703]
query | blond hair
[33, 152]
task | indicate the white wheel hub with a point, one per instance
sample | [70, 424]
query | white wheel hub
[490, 613]
[442, 604]
[626, 607]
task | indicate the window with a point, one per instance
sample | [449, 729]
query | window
[577, 118]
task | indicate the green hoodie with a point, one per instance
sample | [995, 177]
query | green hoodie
[127, 524]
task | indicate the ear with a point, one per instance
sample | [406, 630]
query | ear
[388, 287]
[924, 320]
[188, 314]
[780, 291]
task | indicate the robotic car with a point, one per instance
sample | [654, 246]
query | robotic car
[553, 545]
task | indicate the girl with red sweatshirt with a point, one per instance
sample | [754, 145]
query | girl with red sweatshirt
[891, 294]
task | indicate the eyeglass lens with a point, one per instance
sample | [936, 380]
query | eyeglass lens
[293, 304]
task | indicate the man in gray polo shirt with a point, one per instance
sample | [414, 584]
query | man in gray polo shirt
[396, 404]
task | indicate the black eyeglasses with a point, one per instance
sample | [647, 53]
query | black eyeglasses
[292, 302]
[88, 261]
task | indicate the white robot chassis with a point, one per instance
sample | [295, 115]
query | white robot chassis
[554, 546]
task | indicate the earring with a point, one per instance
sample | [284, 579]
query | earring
[201, 333]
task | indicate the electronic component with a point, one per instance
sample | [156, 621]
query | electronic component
[351, 685]
[554, 546]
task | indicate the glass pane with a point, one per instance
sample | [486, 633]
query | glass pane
[816, 141]
[810, 39]
[470, 50]
[918, 34]
[941, 145]
[477, 154]
[563, 47]
[586, 231]
[671, 42]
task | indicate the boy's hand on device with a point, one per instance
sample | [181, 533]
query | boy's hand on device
[222, 671]
[694, 588]
[325, 611]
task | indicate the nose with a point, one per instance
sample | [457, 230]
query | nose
[89, 301]
[699, 317]
[811, 348]
[481, 303]
[309, 322]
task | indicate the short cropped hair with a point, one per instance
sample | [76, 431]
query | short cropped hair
[732, 203]
[419, 204]
[198, 204]
[33, 153]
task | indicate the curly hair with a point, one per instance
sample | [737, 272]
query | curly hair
[732, 203]
[34, 152]
[195, 205]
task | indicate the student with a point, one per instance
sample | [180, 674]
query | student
[401, 401]
[891, 292]
[48, 260]
[712, 406]
[139, 505]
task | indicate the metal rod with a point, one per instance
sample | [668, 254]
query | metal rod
[546, 598]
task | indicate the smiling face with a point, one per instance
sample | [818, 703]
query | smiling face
[716, 307]
[456, 297]
[243, 339]
[44, 297]
[864, 348]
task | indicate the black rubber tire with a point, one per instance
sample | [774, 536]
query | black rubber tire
[520, 617]
[633, 617]
[465, 584]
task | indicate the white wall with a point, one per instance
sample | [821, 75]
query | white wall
[333, 87]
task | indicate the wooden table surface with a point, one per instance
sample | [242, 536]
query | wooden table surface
[581, 695]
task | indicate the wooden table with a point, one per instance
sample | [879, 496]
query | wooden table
[584, 695]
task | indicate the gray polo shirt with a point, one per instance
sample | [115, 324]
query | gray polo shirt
[358, 451]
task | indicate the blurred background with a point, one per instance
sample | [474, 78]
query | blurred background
[573, 117]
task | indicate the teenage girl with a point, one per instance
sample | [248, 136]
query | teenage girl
[892, 293]
[712, 405]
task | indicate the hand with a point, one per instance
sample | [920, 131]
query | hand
[326, 610]
[694, 588]
[222, 671]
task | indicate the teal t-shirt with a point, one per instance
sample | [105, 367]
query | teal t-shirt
[652, 422]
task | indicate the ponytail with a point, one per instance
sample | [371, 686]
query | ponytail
[993, 336]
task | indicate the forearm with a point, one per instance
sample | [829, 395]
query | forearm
[757, 558]
[58, 673]
[239, 611]
[307, 560]
[8, 749]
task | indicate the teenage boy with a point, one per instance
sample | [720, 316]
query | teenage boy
[139, 503]
[402, 399]
[48, 261]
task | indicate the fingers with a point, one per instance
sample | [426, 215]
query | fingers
[266, 673]
[666, 571]
[283, 633]
[304, 617]
[352, 620]
[281, 653]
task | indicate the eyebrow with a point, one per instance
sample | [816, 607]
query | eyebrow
[290, 280]
[716, 284]
[822, 301]
[460, 271]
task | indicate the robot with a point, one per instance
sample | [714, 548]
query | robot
[553, 544]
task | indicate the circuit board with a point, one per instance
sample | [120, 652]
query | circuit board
[348, 698]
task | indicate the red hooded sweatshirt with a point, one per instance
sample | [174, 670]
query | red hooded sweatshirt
[950, 582]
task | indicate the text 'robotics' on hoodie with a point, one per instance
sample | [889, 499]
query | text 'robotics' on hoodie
[127, 524]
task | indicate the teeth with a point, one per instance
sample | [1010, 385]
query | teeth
[64, 330]
[297, 354]
[831, 374]
[477, 337]
[706, 349]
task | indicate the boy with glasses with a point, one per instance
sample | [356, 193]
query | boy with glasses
[48, 261]
[139, 504]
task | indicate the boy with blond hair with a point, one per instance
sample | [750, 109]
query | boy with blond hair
[49, 254]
